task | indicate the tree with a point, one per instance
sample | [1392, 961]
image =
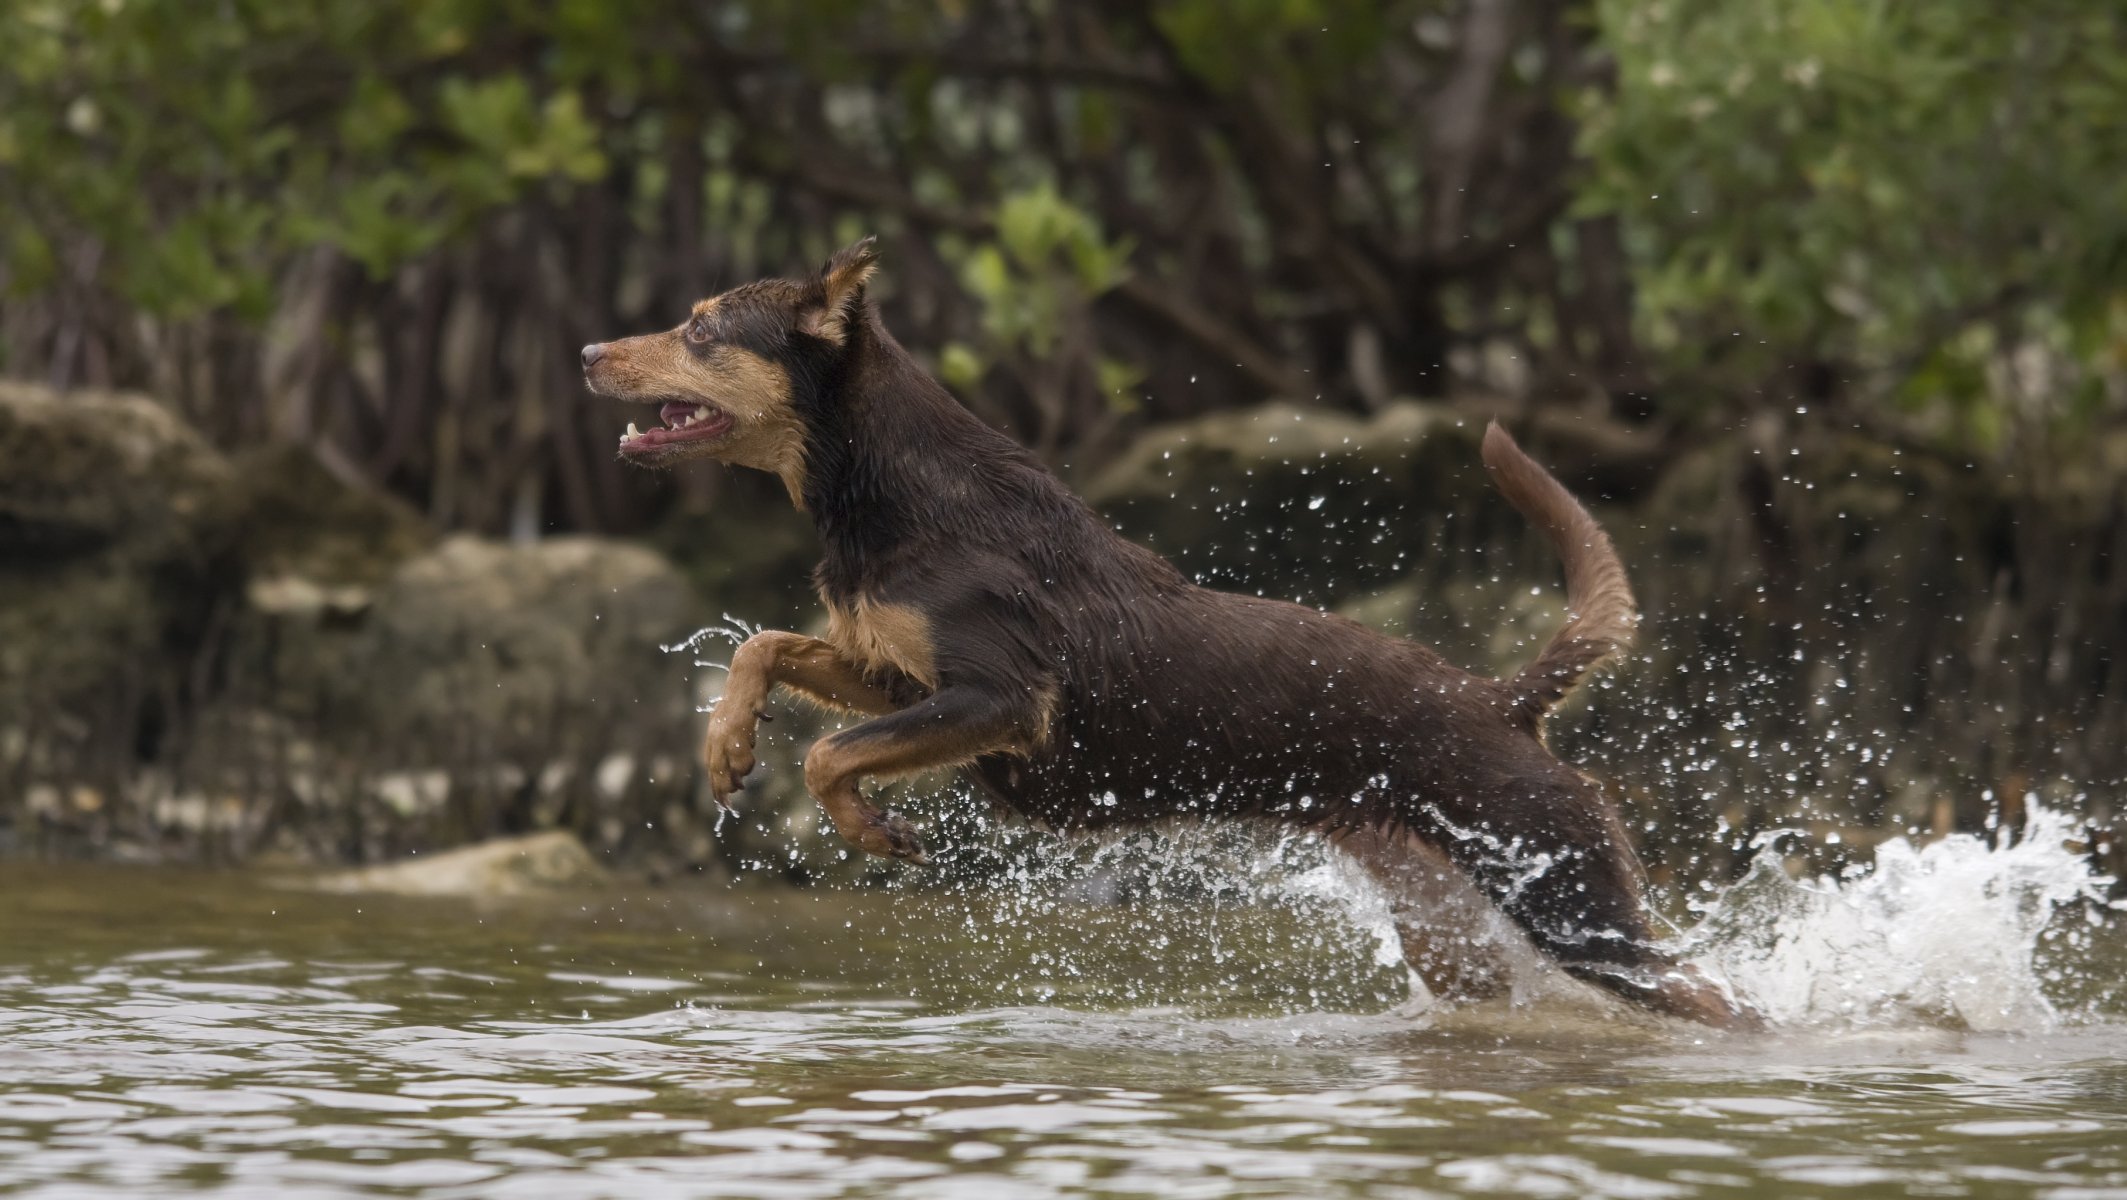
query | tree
[1917, 208]
[381, 227]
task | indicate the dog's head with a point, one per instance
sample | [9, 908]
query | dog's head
[725, 381]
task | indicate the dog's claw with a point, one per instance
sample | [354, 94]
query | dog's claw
[728, 776]
[727, 752]
[899, 840]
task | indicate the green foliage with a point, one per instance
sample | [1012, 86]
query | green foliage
[197, 153]
[1927, 202]
[1048, 258]
[1913, 192]
[1302, 46]
[1048, 262]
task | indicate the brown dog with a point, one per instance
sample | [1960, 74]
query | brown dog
[987, 620]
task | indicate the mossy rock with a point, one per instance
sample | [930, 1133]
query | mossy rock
[116, 528]
[75, 643]
[551, 861]
[1292, 502]
[515, 640]
[303, 522]
[91, 471]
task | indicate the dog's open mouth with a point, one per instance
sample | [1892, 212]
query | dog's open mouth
[685, 421]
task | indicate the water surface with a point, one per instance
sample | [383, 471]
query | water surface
[188, 1033]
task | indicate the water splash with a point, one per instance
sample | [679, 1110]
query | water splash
[734, 630]
[1228, 917]
[1981, 933]
[1984, 933]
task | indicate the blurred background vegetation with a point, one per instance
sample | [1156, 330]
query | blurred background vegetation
[1798, 245]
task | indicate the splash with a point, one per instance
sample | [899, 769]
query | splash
[734, 630]
[1983, 933]
[1233, 918]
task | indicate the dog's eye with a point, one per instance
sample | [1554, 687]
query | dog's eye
[698, 330]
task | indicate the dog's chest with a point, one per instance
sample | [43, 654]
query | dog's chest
[881, 638]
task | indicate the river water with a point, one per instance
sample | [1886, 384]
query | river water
[167, 1033]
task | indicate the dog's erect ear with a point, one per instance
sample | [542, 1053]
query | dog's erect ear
[839, 293]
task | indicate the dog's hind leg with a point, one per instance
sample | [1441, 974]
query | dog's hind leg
[1553, 855]
[953, 726]
[806, 665]
[1459, 944]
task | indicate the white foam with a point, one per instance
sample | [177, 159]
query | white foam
[1945, 933]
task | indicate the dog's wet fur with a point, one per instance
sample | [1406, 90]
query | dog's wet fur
[987, 620]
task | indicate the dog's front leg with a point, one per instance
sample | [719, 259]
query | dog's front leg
[806, 665]
[955, 725]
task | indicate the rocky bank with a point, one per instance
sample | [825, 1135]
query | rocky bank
[217, 658]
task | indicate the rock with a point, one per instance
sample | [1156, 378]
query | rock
[516, 866]
[1471, 619]
[476, 686]
[1389, 519]
[525, 651]
[301, 662]
[303, 523]
[409, 793]
[140, 568]
[305, 599]
[117, 524]
[78, 642]
[315, 551]
[104, 471]
[1269, 437]
[757, 565]
[1292, 502]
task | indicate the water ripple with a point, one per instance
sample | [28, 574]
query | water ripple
[684, 1048]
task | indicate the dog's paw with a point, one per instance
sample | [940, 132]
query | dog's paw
[889, 835]
[727, 752]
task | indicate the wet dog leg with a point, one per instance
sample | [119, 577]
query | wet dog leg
[806, 665]
[1460, 945]
[1553, 855]
[954, 726]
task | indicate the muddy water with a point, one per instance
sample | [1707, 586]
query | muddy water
[166, 1034]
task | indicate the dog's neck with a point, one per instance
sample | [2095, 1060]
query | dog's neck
[894, 464]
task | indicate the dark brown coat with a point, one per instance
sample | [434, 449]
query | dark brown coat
[993, 622]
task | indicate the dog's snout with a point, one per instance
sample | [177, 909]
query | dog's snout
[592, 353]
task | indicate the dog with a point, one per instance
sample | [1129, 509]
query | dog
[984, 618]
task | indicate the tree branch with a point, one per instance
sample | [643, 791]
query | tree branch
[1193, 322]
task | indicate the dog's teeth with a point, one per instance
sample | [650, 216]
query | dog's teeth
[701, 413]
[633, 431]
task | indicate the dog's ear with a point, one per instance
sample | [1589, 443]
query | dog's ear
[838, 295]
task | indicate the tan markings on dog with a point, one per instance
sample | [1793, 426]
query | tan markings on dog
[813, 670]
[1046, 699]
[878, 761]
[880, 636]
[842, 285]
[766, 432]
[809, 667]
[769, 435]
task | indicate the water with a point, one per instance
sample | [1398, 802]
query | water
[187, 1033]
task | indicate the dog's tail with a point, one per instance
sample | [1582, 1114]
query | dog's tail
[1602, 614]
